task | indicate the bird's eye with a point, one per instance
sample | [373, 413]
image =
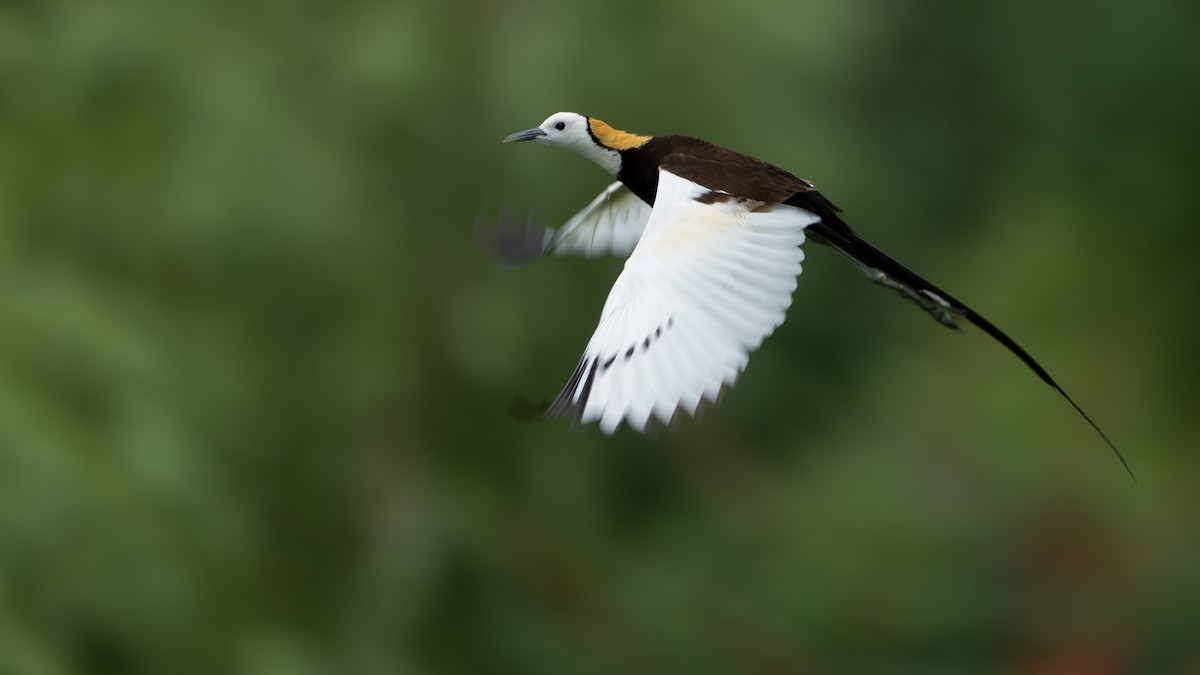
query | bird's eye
[560, 125]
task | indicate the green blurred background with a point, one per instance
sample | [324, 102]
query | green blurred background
[254, 366]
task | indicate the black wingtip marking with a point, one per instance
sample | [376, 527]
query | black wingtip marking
[563, 406]
[511, 243]
[584, 377]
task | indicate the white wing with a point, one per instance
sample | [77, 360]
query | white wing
[706, 284]
[612, 223]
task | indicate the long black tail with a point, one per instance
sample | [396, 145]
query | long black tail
[945, 308]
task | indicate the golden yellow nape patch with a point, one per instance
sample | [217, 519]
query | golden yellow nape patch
[615, 139]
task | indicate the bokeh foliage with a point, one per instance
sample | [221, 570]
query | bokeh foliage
[254, 367]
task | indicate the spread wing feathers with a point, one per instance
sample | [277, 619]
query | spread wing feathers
[611, 224]
[710, 279]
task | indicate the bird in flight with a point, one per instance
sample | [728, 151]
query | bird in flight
[713, 243]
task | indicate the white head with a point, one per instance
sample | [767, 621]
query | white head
[587, 136]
